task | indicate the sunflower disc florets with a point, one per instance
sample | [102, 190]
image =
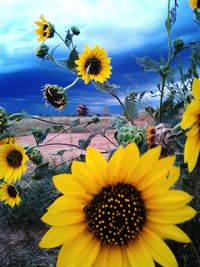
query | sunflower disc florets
[130, 133]
[55, 95]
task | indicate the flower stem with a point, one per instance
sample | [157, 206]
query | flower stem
[161, 97]
[72, 84]
[61, 39]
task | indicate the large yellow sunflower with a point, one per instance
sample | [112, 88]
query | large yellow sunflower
[12, 161]
[93, 64]
[191, 118]
[45, 30]
[195, 4]
[9, 194]
[117, 213]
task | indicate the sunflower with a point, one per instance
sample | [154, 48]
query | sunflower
[12, 161]
[7, 140]
[195, 4]
[9, 194]
[151, 136]
[93, 64]
[45, 30]
[117, 213]
[191, 118]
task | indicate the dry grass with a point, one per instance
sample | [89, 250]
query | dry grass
[25, 126]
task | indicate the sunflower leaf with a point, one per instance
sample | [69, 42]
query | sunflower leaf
[147, 63]
[71, 60]
[39, 135]
[75, 122]
[85, 143]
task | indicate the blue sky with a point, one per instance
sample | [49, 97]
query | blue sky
[124, 28]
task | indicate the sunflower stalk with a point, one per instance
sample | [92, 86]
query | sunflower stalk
[72, 84]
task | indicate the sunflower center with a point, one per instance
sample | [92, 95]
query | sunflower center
[12, 192]
[93, 66]
[116, 214]
[14, 158]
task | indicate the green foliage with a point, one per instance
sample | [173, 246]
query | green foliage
[71, 60]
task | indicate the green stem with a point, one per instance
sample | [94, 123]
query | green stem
[164, 75]
[72, 84]
[161, 97]
[169, 36]
[56, 62]
[62, 39]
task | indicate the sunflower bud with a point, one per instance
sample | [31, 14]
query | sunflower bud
[55, 95]
[130, 133]
[75, 30]
[34, 155]
[3, 120]
[162, 135]
[42, 50]
[178, 43]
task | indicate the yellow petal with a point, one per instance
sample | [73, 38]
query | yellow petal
[158, 249]
[139, 255]
[98, 164]
[115, 165]
[88, 254]
[64, 218]
[66, 183]
[173, 199]
[171, 216]
[169, 231]
[68, 203]
[130, 160]
[101, 259]
[56, 236]
[72, 249]
[114, 257]
[196, 88]
[84, 177]
[191, 152]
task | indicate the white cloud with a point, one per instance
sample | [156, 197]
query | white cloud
[113, 24]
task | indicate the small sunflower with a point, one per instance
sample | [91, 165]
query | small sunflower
[12, 161]
[117, 213]
[45, 30]
[151, 136]
[7, 140]
[9, 194]
[191, 118]
[93, 64]
[195, 4]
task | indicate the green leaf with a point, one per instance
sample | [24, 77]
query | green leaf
[58, 128]
[85, 143]
[71, 60]
[130, 106]
[61, 152]
[147, 63]
[16, 116]
[101, 87]
[39, 135]
[75, 122]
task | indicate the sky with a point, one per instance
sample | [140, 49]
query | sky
[125, 28]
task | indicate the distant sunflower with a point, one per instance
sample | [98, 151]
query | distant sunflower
[191, 118]
[45, 30]
[150, 136]
[195, 4]
[9, 194]
[12, 161]
[116, 213]
[93, 64]
[7, 140]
